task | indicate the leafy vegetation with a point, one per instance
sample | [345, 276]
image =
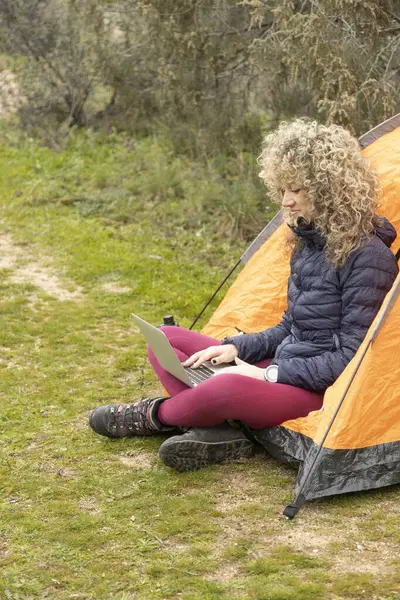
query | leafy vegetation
[213, 73]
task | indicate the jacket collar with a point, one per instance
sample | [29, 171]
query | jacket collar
[308, 234]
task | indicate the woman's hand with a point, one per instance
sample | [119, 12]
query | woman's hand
[217, 354]
[243, 368]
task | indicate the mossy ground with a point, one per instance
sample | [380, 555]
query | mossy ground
[90, 518]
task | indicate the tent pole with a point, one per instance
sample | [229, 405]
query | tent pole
[252, 249]
[292, 509]
[215, 293]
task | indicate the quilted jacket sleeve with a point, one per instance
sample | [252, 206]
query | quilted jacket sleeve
[365, 281]
[254, 347]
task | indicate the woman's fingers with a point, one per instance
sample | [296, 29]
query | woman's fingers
[206, 355]
[228, 354]
[192, 359]
[199, 357]
[215, 354]
[222, 358]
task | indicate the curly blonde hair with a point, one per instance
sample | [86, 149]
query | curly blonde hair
[325, 162]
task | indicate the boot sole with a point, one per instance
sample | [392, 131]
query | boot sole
[189, 455]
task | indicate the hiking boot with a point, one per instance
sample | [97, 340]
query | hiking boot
[126, 420]
[204, 446]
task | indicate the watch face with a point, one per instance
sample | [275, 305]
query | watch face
[272, 373]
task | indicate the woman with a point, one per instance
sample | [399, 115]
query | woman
[341, 270]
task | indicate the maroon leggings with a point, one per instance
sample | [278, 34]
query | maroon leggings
[258, 403]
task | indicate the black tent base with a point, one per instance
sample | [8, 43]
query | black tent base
[333, 472]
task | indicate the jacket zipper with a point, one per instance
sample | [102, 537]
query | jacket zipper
[297, 299]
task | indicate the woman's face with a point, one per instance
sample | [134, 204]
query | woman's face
[295, 204]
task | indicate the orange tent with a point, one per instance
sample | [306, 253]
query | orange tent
[353, 442]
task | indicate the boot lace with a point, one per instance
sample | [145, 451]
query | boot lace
[131, 417]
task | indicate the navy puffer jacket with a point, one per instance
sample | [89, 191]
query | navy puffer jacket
[329, 311]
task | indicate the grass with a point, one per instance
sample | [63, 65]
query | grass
[90, 518]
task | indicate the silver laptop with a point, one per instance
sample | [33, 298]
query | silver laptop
[169, 361]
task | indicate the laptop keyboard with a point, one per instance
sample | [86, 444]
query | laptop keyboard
[200, 374]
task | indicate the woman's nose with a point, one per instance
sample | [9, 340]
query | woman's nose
[287, 200]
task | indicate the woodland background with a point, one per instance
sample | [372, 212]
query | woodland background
[215, 73]
[203, 80]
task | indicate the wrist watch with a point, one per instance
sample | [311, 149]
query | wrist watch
[271, 373]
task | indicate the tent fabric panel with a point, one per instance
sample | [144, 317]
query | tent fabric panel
[258, 297]
[344, 471]
[307, 426]
[374, 134]
[373, 398]
[262, 237]
[384, 156]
